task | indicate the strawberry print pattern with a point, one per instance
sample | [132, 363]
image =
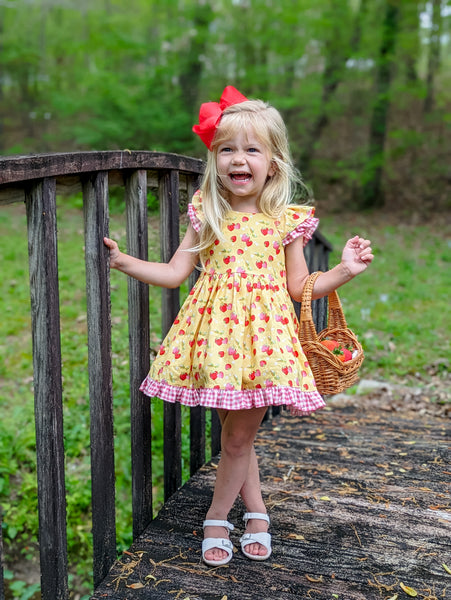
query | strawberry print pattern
[234, 344]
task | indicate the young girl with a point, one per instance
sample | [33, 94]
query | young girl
[234, 345]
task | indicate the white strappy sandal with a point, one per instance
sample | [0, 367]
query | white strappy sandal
[262, 538]
[220, 543]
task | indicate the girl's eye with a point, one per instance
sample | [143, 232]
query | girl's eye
[252, 149]
[226, 149]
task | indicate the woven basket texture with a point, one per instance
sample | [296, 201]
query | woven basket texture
[332, 376]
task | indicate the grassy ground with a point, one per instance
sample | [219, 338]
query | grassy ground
[399, 308]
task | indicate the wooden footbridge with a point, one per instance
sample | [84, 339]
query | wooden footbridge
[360, 501]
[360, 505]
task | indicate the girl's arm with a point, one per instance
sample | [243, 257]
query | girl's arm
[167, 275]
[355, 258]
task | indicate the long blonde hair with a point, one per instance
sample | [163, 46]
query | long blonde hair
[269, 128]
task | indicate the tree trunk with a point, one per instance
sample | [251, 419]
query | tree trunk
[372, 195]
[191, 71]
[338, 52]
[434, 54]
[409, 30]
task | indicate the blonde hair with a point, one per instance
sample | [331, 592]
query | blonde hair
[278, 191]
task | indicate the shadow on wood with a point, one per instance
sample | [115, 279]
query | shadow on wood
[359, 502]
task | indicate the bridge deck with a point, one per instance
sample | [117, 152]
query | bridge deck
[360, 502]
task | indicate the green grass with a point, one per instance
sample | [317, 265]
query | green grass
[399, 308]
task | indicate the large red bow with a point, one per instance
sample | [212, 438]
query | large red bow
[210, 114]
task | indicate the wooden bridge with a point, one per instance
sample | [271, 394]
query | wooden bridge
[359, 502]
[359, 505]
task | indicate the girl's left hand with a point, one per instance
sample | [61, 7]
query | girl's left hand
[357, 255]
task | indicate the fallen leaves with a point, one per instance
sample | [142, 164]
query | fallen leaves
[408, 590]
[296, 536]
[314, 579]
[447, 569]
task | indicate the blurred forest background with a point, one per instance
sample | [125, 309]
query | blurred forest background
[364, 85]
[365, 89]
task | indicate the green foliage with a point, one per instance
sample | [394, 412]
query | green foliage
[104, 76]
[20, 590]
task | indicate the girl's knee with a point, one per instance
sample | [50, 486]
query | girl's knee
[237, 443]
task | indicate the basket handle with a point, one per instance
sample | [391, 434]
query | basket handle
[306, 298]
[336, 318]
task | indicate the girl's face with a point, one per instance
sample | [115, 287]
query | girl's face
[244, 165]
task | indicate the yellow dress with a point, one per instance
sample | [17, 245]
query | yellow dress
[234, 344]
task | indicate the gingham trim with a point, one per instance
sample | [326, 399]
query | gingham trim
[195, 221]
[299, 401]
[306, 229]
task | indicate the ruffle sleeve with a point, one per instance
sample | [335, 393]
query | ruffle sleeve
[195, 212]
[298, 221]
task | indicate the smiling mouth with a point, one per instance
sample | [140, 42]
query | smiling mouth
[240, 177]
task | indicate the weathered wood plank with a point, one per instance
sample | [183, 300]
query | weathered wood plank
[45, 318]
[359, 503]
[215, 433]
[67, 185]
[169, 241]
[12, 194]
[198, 413]
[23, 168]
[95, 201]
[2, 567]
[139, 354]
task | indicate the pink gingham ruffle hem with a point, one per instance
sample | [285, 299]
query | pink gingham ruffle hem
[298, 401]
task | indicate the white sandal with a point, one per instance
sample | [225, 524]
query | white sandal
[220, 543]
[263, 538]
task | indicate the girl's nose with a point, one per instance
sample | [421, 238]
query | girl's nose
[238, 158]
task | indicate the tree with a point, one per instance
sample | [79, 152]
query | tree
[339, 46]
[434, 53]
[372, 188]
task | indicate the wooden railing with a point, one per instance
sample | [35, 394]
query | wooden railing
[37, 180]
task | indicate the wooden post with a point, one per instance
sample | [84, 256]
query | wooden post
[197, 414]
[139, 352]
[215, 433]
[197, 438]
[2, 586]
[169, 230]
[95, 197]
[45, 319]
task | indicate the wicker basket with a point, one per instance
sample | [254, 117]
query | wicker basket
[331, 374]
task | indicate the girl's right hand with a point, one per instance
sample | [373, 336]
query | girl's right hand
[115, 253]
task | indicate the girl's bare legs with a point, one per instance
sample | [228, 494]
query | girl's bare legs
[239, 428]
[252, 497]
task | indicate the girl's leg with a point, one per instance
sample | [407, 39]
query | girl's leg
[239, 428]
[253, 500]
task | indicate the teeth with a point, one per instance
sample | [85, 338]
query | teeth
[241, 176]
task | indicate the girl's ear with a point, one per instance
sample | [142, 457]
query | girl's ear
[272, 168]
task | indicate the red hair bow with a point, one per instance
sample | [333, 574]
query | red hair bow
[210, 114]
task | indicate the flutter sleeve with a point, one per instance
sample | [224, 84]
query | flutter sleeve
[195, 211]
[298, 221]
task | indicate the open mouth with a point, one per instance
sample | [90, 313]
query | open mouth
[240, 177]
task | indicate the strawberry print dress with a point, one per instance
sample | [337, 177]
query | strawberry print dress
[234, 344]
